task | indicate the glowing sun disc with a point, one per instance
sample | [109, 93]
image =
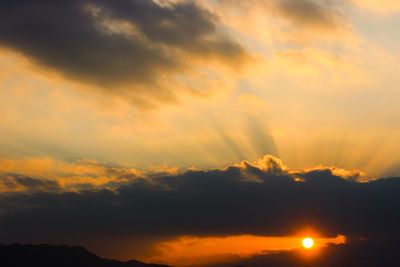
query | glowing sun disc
[308, 243]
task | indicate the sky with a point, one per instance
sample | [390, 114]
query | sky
[142, 128]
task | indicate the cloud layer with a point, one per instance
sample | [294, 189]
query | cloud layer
[261, 198]
[374, 252]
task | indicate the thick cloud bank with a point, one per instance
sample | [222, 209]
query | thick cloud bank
[261, 198]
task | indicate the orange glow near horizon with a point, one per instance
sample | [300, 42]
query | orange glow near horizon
[204, 250]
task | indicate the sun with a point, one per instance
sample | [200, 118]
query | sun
[308, 243]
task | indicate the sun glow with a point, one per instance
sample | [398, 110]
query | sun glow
[308, 243]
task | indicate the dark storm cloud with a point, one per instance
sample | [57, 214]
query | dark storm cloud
[113, 43]
[258, 199]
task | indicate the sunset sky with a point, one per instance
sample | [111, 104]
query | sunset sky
[143, 128]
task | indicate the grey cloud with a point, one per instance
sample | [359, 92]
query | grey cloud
[245, 199]
[303, 14]
[77, 39]
[374, 252]
[320, 13]
[14, 182]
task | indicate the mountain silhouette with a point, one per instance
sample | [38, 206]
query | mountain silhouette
[17, 255]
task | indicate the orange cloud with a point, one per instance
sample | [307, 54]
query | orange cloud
[45, 173]
[190, 250]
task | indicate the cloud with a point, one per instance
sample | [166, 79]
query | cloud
[374, 252]
[199, 251]
[140, 46]
[259, 198]
[310, 13]
[47, 174]
[63, 175]
[20, 183]
[301, 14]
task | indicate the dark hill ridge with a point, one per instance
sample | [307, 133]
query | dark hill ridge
[17, 255]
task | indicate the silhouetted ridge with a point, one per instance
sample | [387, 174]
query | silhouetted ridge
[17, 255]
